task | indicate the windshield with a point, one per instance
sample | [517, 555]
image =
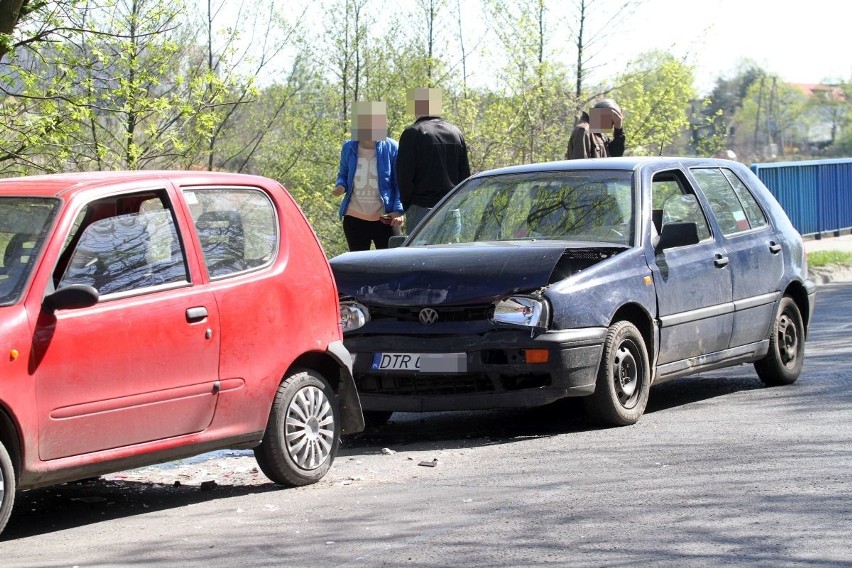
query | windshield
[593, 206]
[23, 224]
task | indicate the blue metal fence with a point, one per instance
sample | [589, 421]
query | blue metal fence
[816, 194]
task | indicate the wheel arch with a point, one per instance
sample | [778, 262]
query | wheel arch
[636, 314]
[796, 290]
[335, 365]
[10, 436]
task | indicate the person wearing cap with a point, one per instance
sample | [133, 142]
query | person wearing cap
[590, 137]
[432, 156]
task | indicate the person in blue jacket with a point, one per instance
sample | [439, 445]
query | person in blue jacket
[371, 209]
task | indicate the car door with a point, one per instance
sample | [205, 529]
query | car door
[142, 363]
[754, 250]
[693, 283]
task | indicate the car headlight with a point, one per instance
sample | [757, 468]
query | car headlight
[353, 315]
[525, 311]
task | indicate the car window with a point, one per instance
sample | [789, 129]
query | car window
[122, 252]
[594, 206]
[755, 215]
[725, 201]
[238, 228]
[24, 222]
[672, 203]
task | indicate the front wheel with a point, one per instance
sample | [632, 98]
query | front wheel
[303, 431]
[783, 362]
[7, 486]
[624, 378]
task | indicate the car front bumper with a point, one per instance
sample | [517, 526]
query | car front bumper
[496, 373]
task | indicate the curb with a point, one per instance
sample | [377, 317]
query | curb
[830, 273]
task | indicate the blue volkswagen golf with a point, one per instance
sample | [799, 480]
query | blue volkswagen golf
[590, 278]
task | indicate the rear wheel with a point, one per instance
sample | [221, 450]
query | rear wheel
[624, 378]
[7, 486]
[303, 432]
[783, 364]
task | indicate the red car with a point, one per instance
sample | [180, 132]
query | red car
[150, 316]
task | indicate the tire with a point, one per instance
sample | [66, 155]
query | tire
[624, 378]
[303, 431]
[783, 363]
[7, 486]
[376, 418]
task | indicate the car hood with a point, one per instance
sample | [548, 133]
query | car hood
[455, 274]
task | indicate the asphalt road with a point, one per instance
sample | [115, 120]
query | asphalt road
[721, 471]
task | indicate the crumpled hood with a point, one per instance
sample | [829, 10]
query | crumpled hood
[450, 275]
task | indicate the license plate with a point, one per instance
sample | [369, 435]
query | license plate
[420, 362]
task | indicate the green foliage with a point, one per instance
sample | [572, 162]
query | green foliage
[655, 98]
[772, 120]
[818, 259]
[259, 89]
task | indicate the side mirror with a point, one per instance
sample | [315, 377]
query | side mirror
[71, 297]
[396, 240]
[677, 235]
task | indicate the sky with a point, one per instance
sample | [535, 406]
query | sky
[801, 42]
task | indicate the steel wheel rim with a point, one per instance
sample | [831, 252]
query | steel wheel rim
[626, 372]
[2, 486]
[309, 429]
[788, 340]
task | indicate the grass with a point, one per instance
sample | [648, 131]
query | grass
[821, 258]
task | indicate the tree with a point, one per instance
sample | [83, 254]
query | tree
[235, 58]
[531, 120]
[590, 24]
[655, 97]
[11, 13]
[770, 122]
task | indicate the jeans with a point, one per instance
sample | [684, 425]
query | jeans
[413, 215]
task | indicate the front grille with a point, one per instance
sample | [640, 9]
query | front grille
[436, 385]
[424, 385]
[445, 314]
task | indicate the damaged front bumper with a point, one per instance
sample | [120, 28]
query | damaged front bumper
[499, 369]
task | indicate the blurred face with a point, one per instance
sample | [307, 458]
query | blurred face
[600, 119]
[424, 102]
[369, 121]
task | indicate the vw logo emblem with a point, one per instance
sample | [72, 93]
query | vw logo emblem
[428, 316]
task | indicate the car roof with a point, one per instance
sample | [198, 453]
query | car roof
[68, 184]
[625, 164]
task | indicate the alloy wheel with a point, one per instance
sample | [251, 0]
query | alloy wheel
[310, 428]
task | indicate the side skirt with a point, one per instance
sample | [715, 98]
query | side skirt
[727, 358]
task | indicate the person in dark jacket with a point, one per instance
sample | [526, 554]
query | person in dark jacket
[432, 156]
[589, 139]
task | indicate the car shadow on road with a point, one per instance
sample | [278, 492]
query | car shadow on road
[702, 387]
[465, 429]
[70, 505]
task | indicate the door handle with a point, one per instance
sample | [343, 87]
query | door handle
[720, 261]
[774, 247]
[196, 314]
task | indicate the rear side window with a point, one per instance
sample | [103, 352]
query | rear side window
[754, 214]
[237, 228]
[733, 205]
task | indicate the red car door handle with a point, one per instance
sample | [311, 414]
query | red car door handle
[720, 261]
[196, 314]
[774, 247]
